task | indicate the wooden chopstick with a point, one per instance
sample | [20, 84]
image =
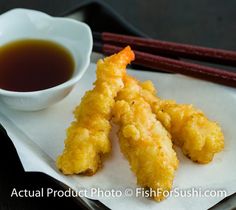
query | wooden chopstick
[170, 65]
[165, 48]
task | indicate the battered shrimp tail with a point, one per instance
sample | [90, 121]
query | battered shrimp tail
[144, 141]
[87, 140]
[199, 138]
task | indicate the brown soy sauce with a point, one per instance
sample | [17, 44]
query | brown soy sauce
[32, 64]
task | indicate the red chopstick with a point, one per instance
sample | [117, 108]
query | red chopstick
[170, 65]
[176, 66]
[158, 47]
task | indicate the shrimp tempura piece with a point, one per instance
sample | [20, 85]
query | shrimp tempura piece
[87, 138]
[198, 137]
[144, 141]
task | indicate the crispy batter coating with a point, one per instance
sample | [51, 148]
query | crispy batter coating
[88, 136]
[144, 141]
[198, 137]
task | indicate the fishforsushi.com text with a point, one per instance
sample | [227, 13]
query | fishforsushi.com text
[96, 193]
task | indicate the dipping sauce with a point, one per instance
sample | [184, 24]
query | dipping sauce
[33, 64]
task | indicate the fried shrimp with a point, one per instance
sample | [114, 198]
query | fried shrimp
[87, 138]
[198, 137]
[144, 141]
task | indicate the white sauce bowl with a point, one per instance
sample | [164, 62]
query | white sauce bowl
[75, 36]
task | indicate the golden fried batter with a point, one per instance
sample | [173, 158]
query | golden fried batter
[198, 137]
[144, 141]
[87, 137]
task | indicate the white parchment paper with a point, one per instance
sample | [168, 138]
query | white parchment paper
[39, 139]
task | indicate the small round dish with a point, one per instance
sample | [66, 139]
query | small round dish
[75, 36]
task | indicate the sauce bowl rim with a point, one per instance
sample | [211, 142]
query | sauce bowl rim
[76, 77]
